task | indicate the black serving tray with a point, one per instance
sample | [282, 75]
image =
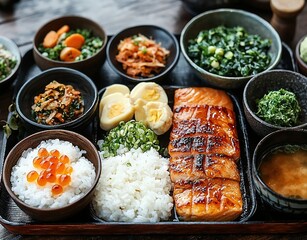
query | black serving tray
[256, 216]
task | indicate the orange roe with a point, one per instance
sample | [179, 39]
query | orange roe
[37, 161]
[52, 159]
[50, 177]
[44, 164]
[55, 153]
[64, 179]
[43, 152]
[41, 180]
[68, 170]
[56, 189]
[64, 159]
[60, 167]
[32, 176]
[51, 167]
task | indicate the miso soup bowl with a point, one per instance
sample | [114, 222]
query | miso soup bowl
[275, 200]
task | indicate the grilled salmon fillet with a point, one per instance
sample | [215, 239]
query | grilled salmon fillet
[204, 150]
[202, 96]
[201, 166]
[213, 199]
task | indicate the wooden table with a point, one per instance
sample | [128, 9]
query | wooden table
[20, 22]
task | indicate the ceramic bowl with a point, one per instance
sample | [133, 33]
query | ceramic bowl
[90, 65]
[273, 80]
[36, 85]
[267, 144]
[11, 47]
[252, 23]
[32, 141]
[158, 34]
[300, 63]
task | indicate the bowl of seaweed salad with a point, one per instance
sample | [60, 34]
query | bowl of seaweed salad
[276, 100]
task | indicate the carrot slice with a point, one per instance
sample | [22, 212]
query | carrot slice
[75, 40]
[63, 29]
[50, 39]
[69, 54]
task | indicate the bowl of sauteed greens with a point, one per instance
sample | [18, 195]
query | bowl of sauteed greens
[70, 41]
[226, 47]
[143, 53]
[10, 60]
[58, 98]
[276, 100]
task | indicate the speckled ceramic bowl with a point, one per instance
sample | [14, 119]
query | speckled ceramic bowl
[300, 63]
[252, 23]
[271, 141]
[10, 46]
[273, 80]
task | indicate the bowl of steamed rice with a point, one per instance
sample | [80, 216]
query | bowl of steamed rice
[135, 184]
[51, 175]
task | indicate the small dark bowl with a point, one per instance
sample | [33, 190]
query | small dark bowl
[10, 46]
[158, 34]
[88, 66]
[252, 23]
[301, 64]
[33, 141]
[197, 6]
[273, 80]
[270, 142]
[36, 85]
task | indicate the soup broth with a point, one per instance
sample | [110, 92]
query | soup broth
[284, 170]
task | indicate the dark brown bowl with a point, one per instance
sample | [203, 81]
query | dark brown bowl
[301, 64]
[88, 66]
[33, 141]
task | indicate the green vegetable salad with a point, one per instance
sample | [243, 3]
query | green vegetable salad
[7, 62]
[90, 47]
[279, 108]
[130, 135]
[230, 52]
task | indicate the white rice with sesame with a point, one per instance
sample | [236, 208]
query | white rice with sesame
[82, 177]
[134, 187]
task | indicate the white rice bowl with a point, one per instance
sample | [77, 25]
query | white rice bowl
[134, 187]
[82, 177]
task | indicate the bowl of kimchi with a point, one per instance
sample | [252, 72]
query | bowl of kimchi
[143, 53]
[58, 98]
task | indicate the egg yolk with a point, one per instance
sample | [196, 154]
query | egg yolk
[154, 115]
[151, 94]
[51, 168]
[115, 110]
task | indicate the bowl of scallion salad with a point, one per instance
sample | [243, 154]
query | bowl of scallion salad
[226, 47]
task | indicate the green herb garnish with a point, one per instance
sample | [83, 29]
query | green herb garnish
[230, 52]
[279, 108]
[131, 134]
